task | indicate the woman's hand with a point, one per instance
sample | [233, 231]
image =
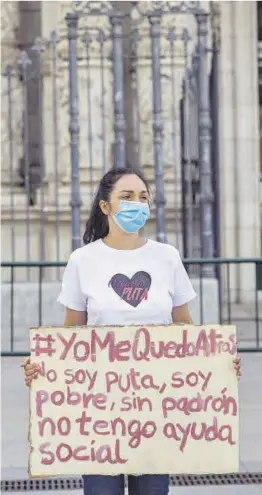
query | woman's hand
[30, 371]
[237, 366]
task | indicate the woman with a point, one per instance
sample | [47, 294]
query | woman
[119, 278]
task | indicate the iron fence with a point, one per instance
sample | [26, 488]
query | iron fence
[130, 81]
[34, 304]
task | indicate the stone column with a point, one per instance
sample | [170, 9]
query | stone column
[247, 139]
[9, 55]
[227, 136]
[51, 17]
[239, 141]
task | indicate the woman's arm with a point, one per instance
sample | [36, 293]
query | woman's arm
[180, 314]
[75, 318]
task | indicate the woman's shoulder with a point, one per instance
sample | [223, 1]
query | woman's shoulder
[84, 252]
[163, 249]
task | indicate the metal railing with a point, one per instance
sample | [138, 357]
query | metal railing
[233, 297]
[112, 90]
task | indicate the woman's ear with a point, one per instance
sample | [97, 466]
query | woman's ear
[104, 207]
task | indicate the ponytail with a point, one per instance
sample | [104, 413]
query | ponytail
[97, 224]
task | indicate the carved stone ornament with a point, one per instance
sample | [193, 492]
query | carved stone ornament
[215, 16]
[92, 8]
[143, 8]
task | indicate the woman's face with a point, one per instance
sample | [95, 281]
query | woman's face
[127, 188]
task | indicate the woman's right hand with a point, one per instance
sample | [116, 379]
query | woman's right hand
[30, 371]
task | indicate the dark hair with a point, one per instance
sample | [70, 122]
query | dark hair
[97, 224]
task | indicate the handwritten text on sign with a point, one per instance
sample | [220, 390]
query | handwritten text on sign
[134, 400]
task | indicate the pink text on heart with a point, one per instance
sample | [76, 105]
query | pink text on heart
[135, 294]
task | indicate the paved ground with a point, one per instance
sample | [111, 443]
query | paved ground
[15, 421]
[223, 490]
[249, 332]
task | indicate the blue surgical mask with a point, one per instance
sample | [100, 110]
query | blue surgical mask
[132, 216]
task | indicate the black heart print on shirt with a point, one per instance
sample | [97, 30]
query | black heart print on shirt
[131, 290]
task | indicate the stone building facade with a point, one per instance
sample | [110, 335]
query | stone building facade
[239, 133]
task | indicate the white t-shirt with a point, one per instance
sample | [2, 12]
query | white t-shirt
[126, 287]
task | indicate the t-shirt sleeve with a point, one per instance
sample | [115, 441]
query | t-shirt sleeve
[71, 295]
[183, 289]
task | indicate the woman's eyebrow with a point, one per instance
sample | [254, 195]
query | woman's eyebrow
[126, 191]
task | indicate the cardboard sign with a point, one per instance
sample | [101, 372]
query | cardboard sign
[134, 400]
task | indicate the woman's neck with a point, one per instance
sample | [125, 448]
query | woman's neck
[124, 242]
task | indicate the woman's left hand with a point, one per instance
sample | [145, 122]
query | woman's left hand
[237, 366]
